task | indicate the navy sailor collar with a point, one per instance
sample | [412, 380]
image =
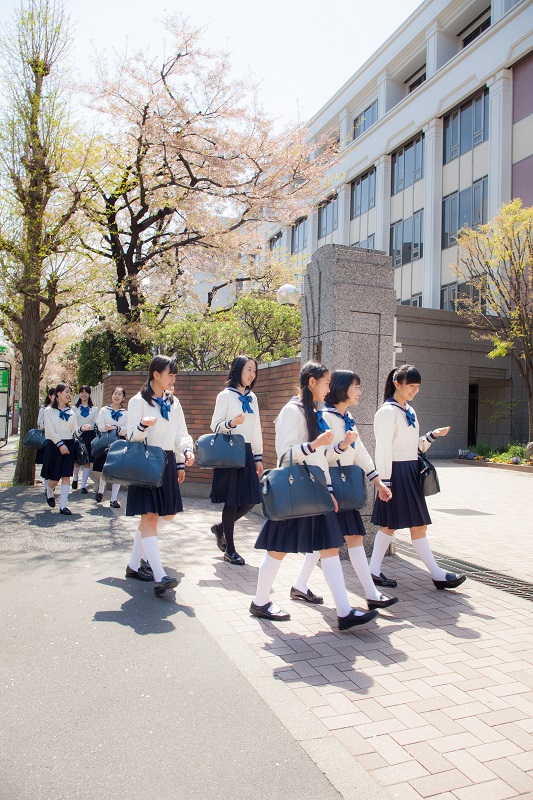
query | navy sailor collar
[408, 410]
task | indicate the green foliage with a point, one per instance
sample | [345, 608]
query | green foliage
[483, 450]
[100, 351]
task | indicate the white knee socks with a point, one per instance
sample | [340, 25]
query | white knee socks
[360, 565]
[309, 563]
[101, 486]
[137, 551]
[332, 570]
[76, 473]
[267, 575]
[423, 551]
[151, 548]
[381, 544]
[64, 495]
[85, 477]
[115, 488]
[45, 484]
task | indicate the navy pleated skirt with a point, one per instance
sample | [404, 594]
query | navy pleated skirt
[56, 465]
[237, 487]
[87, 437]
[351, 523]
[301, 535]
[407, 508]
[39, 456]
[164, 501]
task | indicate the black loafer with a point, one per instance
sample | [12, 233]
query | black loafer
[146, 567]
[385, 602]
[382, 580]
[84, 490]
[66, 511]
[114, 504]
[139, 575]
[307, 597]
[352, 619]
[234, 559]
[74, 484]
[263, 612]
[98, 497]
[51, 501]
[164, 585]
[218, 531]
[452, 581]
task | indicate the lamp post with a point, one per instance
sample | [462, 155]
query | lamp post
[288, 295]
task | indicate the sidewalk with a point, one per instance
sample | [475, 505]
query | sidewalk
[433, 700]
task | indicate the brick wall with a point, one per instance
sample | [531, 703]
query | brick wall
[197, 391]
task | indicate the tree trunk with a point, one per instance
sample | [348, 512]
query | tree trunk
[31, 351]
[530, 410]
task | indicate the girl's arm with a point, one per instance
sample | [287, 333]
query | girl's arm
[101, 420]
[257, 434]
[220, 422]
[425, 442]
[183, 443]
[136, 430]
[384, 429]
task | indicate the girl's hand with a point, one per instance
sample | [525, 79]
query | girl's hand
[86, 427]
[349, 437]
[384, 493]
[64, 450]
[189, 460]
[335, 504]
[181, 475]
[323, 439]
[441, 431]
[238, 420]
[148, 421]
[110, 427]
[259, 468]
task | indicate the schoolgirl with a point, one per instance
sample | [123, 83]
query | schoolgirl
[156, 416]
[111, 417]
[347, 449]
[58, 465]
[300, 428]
[39, 456]
[86, 416]
[236, 410]
[397, 443]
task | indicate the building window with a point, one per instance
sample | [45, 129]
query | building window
[365, 120]
[299, 236]
[408, 164]
[407, 239]
[415, 300]
[448, 297]
[327, 217]
[416, 79]
[475, 28]
[466, 127]
[274, 242]
[367, 244]
[363, 194]
[466, 209]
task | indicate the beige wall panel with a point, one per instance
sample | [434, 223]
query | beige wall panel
[523, 139]
[418, 195]
[465, 170]
[355, 225]
[371, 217]
[418, 273]
[450, 177]
[396, 207]
[448, 257]
[481, 161]
[408, 203]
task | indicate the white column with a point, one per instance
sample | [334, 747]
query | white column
[345, 128]
[439, 49]
[433, 136]
[286, 241]
[497, 10]
[343, 214]
[312, 232]
[383, 196]
[500, 139]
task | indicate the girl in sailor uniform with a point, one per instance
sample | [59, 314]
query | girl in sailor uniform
[347, 449]
[86, 417]
[58, 465]
[112, 417]
[39, 457]
[300, 428]
[156, 417]
[397, 443]
[236, 410]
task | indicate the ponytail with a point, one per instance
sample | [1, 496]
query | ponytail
[317, 371]
[404, 374]
[158, 364]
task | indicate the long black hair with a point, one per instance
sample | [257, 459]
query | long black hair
[50, 394]
[404, 374]
[235, 371]
[123, 394]
[310, 370]
[89, 401]
[341, 380]
[59, 388]
[158, 363]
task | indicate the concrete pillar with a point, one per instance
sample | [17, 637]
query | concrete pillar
[345, 128]
[343, 214]
[383, 196]
[439, 49]
[348, 310]
[497, 10]
[500, 139]
[433, 135]
[312, 231]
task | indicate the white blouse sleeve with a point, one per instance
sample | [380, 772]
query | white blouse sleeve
[50, 426]
[183, 441]
[257, 435]
[40, 418]
[425, 442]
[135, 415]
[384, 428]
[363, 459]
[101, 420]
[220, 421]
[288, 422]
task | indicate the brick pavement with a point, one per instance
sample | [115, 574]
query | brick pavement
[434, 700]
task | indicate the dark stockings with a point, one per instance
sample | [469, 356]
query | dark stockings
[230, 514]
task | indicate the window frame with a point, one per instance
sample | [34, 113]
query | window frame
[399, 179]
[365, 120]
[299, 225]
[328, 215]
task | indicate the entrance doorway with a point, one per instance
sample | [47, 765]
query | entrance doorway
[473, 398]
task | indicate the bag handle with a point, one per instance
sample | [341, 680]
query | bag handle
[343, 474]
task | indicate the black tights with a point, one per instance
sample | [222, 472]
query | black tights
[230, 514]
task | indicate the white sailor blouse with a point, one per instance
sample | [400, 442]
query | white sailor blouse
[59, 426]
[292, 434]
[229, 403]
[170, 430]
[86, 415]
[356, 453]
[398, 437]
[40, 418]
[118, 419]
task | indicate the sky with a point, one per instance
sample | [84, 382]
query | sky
[299, 52]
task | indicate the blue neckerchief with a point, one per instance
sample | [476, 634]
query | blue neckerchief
[116, 415]
[349, 422]
[410, 415]
[64, 414]
[322, 424]
[164, 406]
[85, 411]
[246, 400]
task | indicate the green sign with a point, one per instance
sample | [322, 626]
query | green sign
[4, 380]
